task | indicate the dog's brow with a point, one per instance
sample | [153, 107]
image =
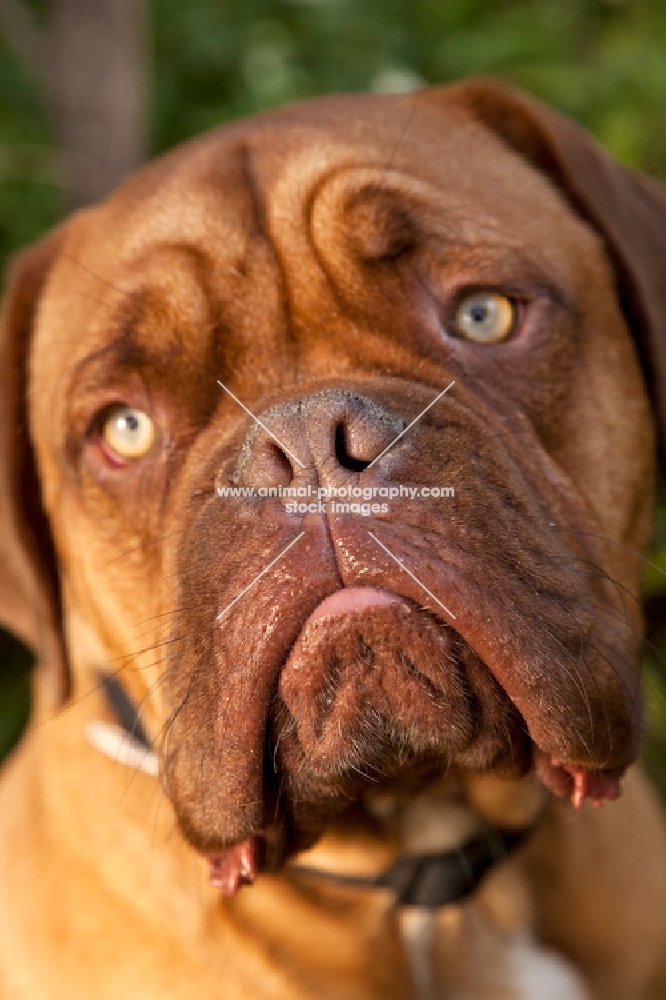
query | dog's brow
[120, 353]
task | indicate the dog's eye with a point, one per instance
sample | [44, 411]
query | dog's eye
[485, 317]
[128, 432]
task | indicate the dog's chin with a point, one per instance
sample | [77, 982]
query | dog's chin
[379, 694]
[375, 694]
[376, 690]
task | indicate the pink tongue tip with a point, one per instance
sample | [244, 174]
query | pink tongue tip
[234, 867]
[576, 782]
[355, 599]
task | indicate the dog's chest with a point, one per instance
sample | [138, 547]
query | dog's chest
[461, 955]
[483, 946]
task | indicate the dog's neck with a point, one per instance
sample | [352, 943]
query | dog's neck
[155, 871]
[447, 848]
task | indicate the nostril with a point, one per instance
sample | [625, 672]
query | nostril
[333, 426]
[269, 467]
[342, 455]
[278, 466]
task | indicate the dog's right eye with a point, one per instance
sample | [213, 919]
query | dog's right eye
[128, 432]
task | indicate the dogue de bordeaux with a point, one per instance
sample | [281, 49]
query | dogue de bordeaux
[328, 457]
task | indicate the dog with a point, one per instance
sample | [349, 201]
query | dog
[328, 459]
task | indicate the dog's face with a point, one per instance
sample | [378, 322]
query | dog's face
[336, 266]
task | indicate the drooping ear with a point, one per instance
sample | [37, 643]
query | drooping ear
[625, 207]
[29, 584]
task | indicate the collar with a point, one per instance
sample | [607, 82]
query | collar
[428, 880]
[437, 878]
[125, 742]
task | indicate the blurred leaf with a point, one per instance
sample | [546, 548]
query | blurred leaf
[15, 664]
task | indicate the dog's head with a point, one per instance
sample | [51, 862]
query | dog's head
[412, 329]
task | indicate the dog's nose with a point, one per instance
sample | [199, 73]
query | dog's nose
[332, 432]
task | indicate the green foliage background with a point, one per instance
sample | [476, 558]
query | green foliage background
[602, 61]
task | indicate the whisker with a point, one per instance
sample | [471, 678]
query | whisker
[611, 541]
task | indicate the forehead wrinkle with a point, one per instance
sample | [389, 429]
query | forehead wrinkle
[207, 199]
[152, 331]
[174, 294]
[122, 354]
[126, 352]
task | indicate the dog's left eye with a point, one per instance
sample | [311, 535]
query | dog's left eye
[485, 317]
[130, 433]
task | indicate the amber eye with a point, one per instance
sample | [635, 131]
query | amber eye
[128, 432]
[485, 317]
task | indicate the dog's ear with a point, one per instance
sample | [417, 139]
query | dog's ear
[625, 207]
[29, 586]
